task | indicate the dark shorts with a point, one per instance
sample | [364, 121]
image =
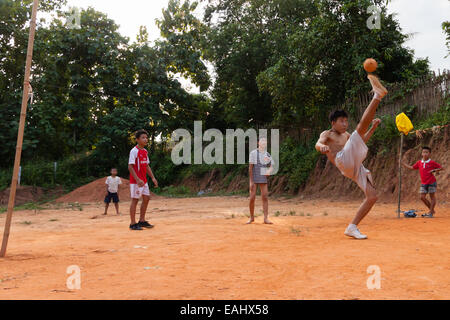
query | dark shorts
[112, 196]
[428, 188]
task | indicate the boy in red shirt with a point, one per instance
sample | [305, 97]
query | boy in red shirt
[427, 167]
[138, 165]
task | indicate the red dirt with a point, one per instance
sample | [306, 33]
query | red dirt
[95, 192]
[24, 194]
[202, 249]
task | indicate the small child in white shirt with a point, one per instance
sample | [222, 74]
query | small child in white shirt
[112, 190]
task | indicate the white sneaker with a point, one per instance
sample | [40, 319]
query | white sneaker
[353, 231]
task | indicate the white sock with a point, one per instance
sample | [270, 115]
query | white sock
[352, 226]
[377, 97]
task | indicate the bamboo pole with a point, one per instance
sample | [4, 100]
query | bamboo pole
[23, 113]
[400, 175]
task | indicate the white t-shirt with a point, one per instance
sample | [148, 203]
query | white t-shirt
[264, 157]
[113, 184]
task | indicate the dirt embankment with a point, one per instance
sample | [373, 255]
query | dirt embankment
[327, 182]
[24, 194]
[96, 191]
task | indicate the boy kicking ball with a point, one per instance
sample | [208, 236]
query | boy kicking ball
[138, 165]
[348, 151]
[426, 168]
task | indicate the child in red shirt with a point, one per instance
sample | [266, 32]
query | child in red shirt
[138, 165]
[426, 168]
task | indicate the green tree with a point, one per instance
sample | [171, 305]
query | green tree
[76, 79]
[183, 34]
[446, 28]
[285, 62]
[322, 63]
[14, 29]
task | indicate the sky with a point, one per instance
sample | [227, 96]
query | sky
[421, 18]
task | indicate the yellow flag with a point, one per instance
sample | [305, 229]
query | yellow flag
[403, 123]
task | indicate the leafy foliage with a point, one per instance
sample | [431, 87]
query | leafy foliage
[297, 161]
[446, 28]
[276, 63]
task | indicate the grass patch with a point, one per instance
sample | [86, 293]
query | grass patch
[175, 192]
[186, 192]
[35, 206]
[75, 206]
[225, 193]
[232, 216]
[296, 231]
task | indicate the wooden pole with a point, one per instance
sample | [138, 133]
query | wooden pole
[23, 113]
[400, 174]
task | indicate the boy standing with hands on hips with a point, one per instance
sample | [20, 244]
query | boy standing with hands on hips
[426, 168]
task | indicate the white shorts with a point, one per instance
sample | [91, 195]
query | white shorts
[137, 192]
[349, 161]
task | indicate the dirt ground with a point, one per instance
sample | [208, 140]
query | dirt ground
[201, 248]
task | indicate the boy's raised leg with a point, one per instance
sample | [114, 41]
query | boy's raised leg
[369, 113]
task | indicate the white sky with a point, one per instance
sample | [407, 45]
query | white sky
[423, 18]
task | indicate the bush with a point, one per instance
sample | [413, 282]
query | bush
[70, 173]
[442, 117]
[179, 191]
[297, 161]
[387, 133]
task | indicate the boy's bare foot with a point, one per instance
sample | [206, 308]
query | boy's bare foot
[267, 222]
[377, 86]
[250, 221]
